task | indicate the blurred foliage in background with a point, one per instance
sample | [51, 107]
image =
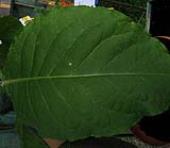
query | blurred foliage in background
[136, 9]
[134, 2]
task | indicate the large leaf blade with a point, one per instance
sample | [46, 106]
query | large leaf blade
[88, 76]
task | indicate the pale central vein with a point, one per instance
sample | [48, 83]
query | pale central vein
[19, 80]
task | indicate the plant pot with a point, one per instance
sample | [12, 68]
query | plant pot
[154, 130]
[142, 135]
[165, 40]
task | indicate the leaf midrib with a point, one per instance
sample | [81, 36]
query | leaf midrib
[71, 76]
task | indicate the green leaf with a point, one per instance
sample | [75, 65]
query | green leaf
[10, 27]
[79, 72]
[30, 139]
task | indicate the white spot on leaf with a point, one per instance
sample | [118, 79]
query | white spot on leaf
[0, 42]
[70, 64]
[133, 23]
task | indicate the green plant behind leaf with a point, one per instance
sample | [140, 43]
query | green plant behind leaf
[9, 27]
[79, 72]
